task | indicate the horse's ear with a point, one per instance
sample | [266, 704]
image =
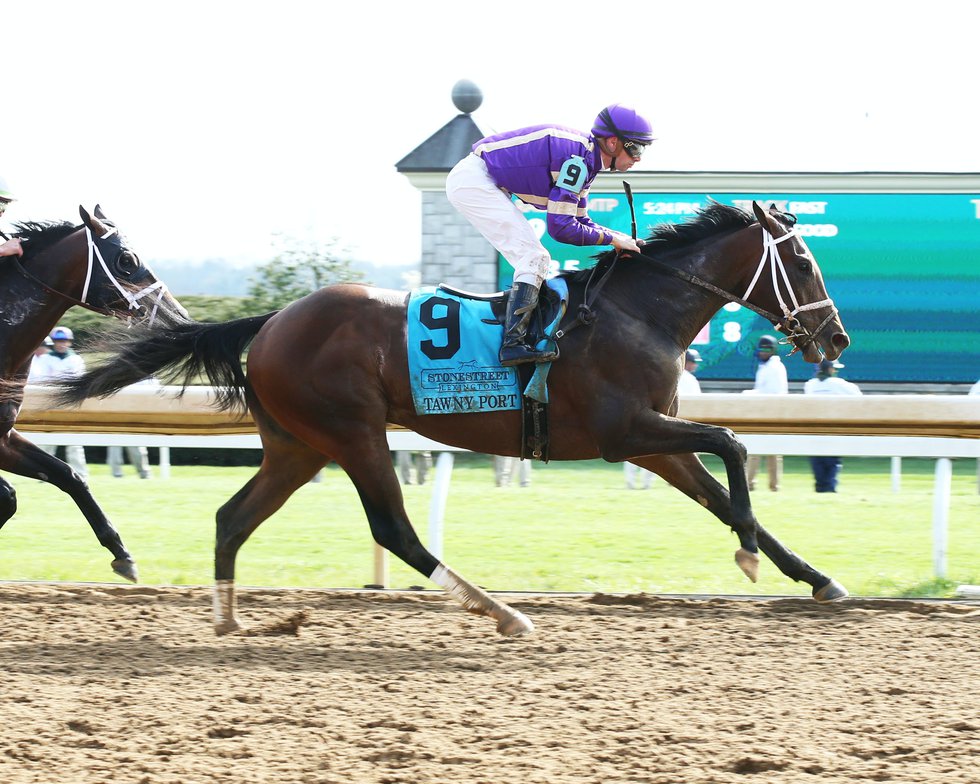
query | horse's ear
[93, 223]
[764, 218]
[98, 212]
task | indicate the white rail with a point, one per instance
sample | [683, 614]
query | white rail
[932, 426]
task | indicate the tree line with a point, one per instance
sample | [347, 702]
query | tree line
[297, 269]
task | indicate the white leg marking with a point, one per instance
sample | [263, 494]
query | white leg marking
[475, 599]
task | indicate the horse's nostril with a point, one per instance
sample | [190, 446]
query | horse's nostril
[841, 340]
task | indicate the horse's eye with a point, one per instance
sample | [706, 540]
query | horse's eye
[805, 266]
[128, 263]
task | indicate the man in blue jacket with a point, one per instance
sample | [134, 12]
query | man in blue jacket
[552, 168]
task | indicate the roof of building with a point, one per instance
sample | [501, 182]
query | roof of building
[445, 148]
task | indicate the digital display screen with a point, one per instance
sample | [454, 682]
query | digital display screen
[902, 268]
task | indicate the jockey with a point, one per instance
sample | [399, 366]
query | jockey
[552, 168]
[9, 247]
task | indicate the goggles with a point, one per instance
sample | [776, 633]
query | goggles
[634, 149]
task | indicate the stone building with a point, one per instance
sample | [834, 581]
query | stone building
[453, 251]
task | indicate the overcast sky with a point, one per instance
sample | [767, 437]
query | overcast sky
[206, 127]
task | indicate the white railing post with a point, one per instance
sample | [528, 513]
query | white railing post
[437, 507]
[164, 462]
[896, 474]
[380, 566]
[940, 514]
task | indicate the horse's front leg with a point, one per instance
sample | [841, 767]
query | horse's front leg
[652, 433]
[688, 474]
[20, 456]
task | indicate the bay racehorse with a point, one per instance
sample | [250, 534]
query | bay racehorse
[612, 393]
[64, 265]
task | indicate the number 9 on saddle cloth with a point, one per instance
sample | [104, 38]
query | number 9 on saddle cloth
[453, 342]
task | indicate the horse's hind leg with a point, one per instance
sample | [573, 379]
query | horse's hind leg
[21, 457]
[287, 465]
[687, 473]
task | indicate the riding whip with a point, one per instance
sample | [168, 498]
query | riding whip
[629, 200]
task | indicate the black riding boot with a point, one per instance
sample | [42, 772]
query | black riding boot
[520, 307]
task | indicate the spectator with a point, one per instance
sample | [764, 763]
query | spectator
[138, 455]
[37, 369]
[826, 382]
[637, 478]
[62, 362]
[503, 470]
[421, 462]
[138, 458]
[687, 384]
[770, 379]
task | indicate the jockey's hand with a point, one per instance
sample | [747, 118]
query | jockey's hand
[11, 248]
[621, 242]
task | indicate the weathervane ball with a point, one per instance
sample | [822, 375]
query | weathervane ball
[467, 96]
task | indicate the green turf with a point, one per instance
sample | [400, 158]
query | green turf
[577, 528]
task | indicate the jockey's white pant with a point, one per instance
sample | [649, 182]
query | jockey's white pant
[473, 192]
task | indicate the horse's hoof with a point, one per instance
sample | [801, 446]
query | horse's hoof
[831, 592]
[748, 563]
[126, 567]
[515, 624]
[229, 626]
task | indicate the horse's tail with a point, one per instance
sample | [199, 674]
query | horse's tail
[178, 354]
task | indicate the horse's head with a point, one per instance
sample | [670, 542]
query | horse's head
[788, 283]
[116, 281]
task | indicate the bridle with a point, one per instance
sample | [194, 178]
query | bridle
[133, 299]
[796, 334]
[788, 324]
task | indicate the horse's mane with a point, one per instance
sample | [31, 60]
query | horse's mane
[710, 221]
[39, 235]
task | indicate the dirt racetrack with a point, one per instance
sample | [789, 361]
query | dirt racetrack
[119, 684]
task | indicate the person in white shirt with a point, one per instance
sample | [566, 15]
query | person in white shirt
[826, 382]
[38, 368]
[770, 379]
[62, 362]
[687, 384]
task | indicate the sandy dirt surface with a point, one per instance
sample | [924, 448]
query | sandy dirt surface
[120, 684]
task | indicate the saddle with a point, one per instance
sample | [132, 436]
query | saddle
[546, 315]
[532, 378]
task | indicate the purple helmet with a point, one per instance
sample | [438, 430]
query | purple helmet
[623, 122]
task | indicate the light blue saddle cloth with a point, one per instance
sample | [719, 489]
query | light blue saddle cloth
[453, 346]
